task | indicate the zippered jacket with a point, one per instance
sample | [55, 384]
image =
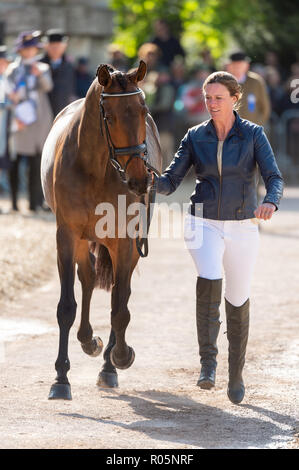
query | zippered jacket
[231, 193]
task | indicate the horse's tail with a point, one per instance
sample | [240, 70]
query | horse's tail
[103, 266]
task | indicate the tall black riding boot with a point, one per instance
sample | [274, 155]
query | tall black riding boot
[208, 298]
[237, 335]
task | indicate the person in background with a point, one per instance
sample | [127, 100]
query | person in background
[289, 105]
[169, 45]
[178, 73]
[4, 113]
[207, 59]
[117, 58]
[255, 104]
[179, 79]
[151, 54]
[83, 77]
[275, 88]
[29, 82]
[162, 112]
[259, 68]
[193, 98]
[271, 59]
[190, 108]
[62, 70]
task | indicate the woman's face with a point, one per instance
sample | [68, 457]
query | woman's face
[219, 102]
[56, 49]
[28, 52]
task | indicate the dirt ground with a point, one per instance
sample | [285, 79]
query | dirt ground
[157, 405]
[27, 249]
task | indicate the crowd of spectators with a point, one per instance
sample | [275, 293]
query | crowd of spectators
[174, 91]
[42, 80]
[34, 87]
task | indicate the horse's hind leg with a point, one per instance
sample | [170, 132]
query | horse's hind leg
[66, 311]
[86, 272]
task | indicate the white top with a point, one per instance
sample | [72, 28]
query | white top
[219, 155]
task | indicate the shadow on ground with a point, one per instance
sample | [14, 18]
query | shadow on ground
[179, 419]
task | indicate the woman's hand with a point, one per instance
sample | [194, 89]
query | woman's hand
[265, 211]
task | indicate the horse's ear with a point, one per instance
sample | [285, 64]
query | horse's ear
[103, 75]
[139, 74]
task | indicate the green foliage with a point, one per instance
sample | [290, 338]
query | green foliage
[276, 30]
[135, 18]
[255, 25]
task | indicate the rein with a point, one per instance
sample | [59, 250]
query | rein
[134, 151]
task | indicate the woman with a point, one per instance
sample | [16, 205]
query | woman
[29, 81]
[225, 152]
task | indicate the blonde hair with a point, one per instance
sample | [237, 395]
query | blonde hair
[229, 81]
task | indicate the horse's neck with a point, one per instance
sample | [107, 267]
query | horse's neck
[92, 148]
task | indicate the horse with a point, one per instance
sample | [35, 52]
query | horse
[99, 147]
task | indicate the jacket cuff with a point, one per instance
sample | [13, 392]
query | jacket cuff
[268, 200]
[163, 185]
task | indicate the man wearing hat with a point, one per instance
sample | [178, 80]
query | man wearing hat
[255, 104]
[83, 77]
[63, 74]
[29, 82]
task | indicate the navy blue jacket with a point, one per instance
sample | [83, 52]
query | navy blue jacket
[233, 195]
[63, 77]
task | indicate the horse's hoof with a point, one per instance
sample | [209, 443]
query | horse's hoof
[121, 364]
[107, 379]
[60, 392]
[94, 347]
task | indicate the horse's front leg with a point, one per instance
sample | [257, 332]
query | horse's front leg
[122, 356]
[66, 310]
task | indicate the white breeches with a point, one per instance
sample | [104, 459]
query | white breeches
[224, 245]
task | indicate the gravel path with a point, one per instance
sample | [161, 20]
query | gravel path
[157, 404]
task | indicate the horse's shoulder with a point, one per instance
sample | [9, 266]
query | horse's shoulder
[70, 108]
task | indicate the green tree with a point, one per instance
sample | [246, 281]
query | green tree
[276, 29]
[217, 24]
[135, 18]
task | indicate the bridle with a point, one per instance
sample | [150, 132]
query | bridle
[135, 151]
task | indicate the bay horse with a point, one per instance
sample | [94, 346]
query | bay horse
[99, 147]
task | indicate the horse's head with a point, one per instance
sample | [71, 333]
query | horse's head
[123, 122]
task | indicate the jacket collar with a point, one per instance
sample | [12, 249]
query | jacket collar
[235, 130]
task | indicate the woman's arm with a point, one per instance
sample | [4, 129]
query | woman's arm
[269, 170]
[175, 172]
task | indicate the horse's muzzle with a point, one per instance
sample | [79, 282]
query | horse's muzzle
[137, 186]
